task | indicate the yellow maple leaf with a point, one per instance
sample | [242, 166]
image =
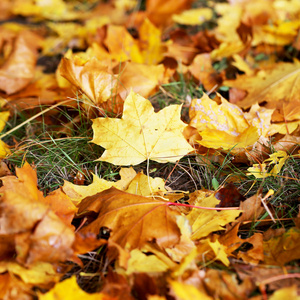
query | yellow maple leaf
[141, 134]
[69, 290]
[206, 221]
[222, 126]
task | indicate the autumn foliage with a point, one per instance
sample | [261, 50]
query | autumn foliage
[134, 235]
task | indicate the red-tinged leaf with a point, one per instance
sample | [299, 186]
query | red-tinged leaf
[229, 196]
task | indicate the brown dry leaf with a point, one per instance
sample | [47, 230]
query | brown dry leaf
[283, 249]
[92, 77]
[261, 273]
[10, 286]
[42, 90]
[281, 83]
[222, 285]
[141, 134]
[232, 241]
[287, 143]
[134, 220]
[62, 205]
[18, 70]
[252, 209]
[38, 233]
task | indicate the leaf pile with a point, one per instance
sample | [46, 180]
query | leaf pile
[120, 231]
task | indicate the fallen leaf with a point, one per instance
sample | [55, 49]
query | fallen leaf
[38, 273]
[152, 48]
[202, 69]
[141, 134]
[79, 192]
[226, 286]
[39, 234]
[160, 12]
[229, 196]
[140, 262]
[69, 290]
[18, 69]
[221, 126]
[133, 220]
[262, 170]
[4, 149]
[273, 86]
[124, 47]
[52, 9]
[282, 249]
[183, 291]
[62, 205]
[209, 250]
[286, 293]
[92, 77]
[195, 16]
[185, 245]
[140, 78]
[205, 221]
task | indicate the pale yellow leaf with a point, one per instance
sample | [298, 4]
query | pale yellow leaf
[141, 134]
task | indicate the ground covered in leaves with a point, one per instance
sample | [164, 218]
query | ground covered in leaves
[149, 149]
